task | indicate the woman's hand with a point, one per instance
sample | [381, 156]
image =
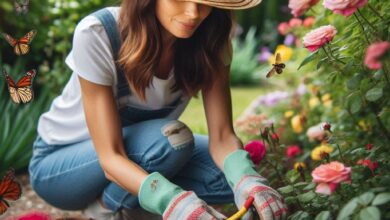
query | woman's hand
[245, 181]
[158, 195]
[269, 204]
[187, 205]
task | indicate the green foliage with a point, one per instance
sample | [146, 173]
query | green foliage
[244, 65]
[18, 126]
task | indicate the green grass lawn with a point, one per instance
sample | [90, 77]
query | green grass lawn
[194, 115]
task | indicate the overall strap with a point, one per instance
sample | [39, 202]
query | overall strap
[110, 26]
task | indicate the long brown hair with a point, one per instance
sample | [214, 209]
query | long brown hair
[198, 60]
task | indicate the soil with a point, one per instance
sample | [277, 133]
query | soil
[31, 201]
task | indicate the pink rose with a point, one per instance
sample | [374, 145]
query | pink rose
[32, 215]
[316, 133]
[284, 28]
[256, 150]
[344, 7]
[293, 151]
[295, 22]
[374, 52]
[317, 38]
[328, 176]
[309, 21]
[299, 7]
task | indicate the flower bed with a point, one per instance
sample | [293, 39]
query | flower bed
[327, 140]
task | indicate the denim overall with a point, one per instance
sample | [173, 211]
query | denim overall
[70, 176]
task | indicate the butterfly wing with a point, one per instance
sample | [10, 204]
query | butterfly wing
[12, 88]
[18, 7]
[10, 189]
[278, 59]
[24, 87]
[7, 180]
[9, 39]
[25, 6]
[271, 72]
[13, 191]
[3, 206]
[22, 46]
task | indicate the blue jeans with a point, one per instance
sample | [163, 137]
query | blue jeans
[70, 176]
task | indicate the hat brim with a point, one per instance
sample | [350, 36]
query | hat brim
[233, 4]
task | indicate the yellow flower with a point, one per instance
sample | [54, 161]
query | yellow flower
[326, 100]
[288, 114]
[325, 97]
[299, 165]
[296, 124]
[316, 152]
[285, 53]
[363, 125]
[313, 102]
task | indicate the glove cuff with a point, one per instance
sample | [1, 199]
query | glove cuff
[156, 192]
[237, 165]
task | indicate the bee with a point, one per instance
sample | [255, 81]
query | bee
[278, 66]
[153, 185]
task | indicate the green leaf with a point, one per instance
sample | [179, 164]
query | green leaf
[286, 189]
[299, 215]
[348, 209]
[374, 94]
[310, 186]
[354, 82]
[371, 213]
[324, 215]
[366, 198]
[307, 197]
[308, 59]
[354, 103]
[381, 198]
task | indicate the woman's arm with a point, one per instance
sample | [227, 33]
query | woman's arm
[218, 109]
[105, 129]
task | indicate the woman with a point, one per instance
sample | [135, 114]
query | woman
[112, 141]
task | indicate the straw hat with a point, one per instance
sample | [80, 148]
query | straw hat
[228, 4]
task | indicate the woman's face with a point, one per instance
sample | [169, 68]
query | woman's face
[181, 18]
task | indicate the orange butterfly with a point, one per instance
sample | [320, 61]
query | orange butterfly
[10, 190]
[22, 90]
[278, 66]
[21, 46]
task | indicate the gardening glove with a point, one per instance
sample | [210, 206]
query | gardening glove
[158, 195]
[245, 181]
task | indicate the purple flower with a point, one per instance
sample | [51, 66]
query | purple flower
[289, 40]
[272, 98]
[301, 90]
[265, 54]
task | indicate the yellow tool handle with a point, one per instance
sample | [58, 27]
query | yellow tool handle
[243, 210]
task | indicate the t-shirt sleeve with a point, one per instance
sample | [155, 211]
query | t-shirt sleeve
[91, 55]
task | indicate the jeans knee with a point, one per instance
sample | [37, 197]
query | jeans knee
[176, 146]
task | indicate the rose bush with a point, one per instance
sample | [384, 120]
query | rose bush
[341, 75]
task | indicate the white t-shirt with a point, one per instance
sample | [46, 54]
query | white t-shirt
[91, 58]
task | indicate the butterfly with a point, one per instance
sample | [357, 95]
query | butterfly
[278, 66]
[21, 7]
[22, 90]
[10, 190]
[21, 46]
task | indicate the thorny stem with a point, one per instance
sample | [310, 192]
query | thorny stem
[362, 27]
[282, 179]
[385, 72]
[330, 58]
[331, 53]
[380, 123]
[375, 12]
[341, 154]
[367, 21]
